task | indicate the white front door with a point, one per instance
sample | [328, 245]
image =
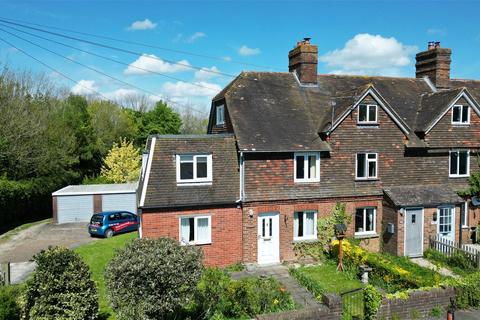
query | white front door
[414, 232]
[446, 222]
[268, 238]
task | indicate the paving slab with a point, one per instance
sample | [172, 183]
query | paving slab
[427, 264]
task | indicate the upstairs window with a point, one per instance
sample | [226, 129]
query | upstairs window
[305, 225]
[194, 168]
[307, 167]
[459, 163]
[195, 230]
[366, 166]
[460, 114]
[220, 113]
[367, 114]
[365, 221]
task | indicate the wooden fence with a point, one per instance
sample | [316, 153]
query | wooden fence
[449, 248]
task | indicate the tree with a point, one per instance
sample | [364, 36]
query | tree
[60, 288]
[473, 188]
[152, 278]
[192, 123]
[122, 163]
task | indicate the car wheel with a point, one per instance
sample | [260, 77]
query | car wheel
[108, 233]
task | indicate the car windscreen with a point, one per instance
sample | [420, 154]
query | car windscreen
[97, 218]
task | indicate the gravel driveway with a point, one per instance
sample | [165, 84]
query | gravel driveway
[22, 246]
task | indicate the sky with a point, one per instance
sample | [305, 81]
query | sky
[200, 46]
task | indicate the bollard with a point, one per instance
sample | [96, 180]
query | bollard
[451, 314]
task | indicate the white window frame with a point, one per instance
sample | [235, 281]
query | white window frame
[306, 155]
[220, 115]
[195, 180]
[460, 123]
[304, 237]
[465, 215]
[367, 161]
[368, 121]
[195, 232]
[452, 209]
[457, 175]
[363, 233]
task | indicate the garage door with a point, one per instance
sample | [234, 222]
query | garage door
[121, 201]
[74, 208]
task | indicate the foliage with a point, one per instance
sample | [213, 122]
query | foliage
[192, 123]
[467, 290]
[122, 163]
[219, 296]
[473, 188]
[458, 263]
[372, 302]
[436, 312]
[9, 308]
[235, 267]
[160, 271]
[96, 180]
[392, 273]
[60, 288]
[97, 255]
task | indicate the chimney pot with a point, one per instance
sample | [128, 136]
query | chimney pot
[437, 44]
[303, 60]
[431, 45]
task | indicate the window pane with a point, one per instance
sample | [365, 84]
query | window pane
[361, 165]
[186, 158]
[300, 224]
[453, 162]
[463, 162]
[359, 220]
[372, 114]
[191, 236]
[465, 114]
[456, 114]
[300, 167]
[263, 227]
[309, 224]
[464, 215]
[372, 169]
[295, 224]
[203, 230]
[312, 172]
[362, 113]
[201, 167]
[270, 227]
[370, 217]
[185, 230]
[186, 170]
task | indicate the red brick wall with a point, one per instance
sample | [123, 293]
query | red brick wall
[286, 210]
[226, 246]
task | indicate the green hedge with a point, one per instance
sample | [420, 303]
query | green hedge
[467, 289]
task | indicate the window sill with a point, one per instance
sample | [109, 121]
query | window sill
[367, 180]
[195, 244]
[367, 125]
[191, 184]
[459, 177]
[305, 240]
[306, 181]
[465, 227]
[366, 235]
[460, 125]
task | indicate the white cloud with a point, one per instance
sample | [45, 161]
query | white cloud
[153, 63]
[191, 38]
[246, 51]
[142, 25]
[197, 89]
[206, 73]
[370, 54]
[85, 87]
[437, 31]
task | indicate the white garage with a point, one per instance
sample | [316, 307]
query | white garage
[77, 203]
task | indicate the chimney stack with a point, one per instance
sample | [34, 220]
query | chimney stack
[303, 60]
[435, 64]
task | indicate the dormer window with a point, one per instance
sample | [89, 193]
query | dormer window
[460, 114]
[220, 113]
[194, 168]
[307, 167]
[367, 114]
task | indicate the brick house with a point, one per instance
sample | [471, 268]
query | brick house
[283, 148]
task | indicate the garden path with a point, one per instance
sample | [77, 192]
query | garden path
[280, 272]
[427, 264]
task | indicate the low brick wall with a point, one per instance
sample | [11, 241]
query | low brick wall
[417, 306]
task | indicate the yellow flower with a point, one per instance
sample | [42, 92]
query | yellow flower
[275, 301]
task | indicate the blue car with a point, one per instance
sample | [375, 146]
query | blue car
[106, 224]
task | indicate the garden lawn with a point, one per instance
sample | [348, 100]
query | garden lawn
[97, 254]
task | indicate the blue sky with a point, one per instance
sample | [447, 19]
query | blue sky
[354, 37]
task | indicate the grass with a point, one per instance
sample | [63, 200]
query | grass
[97, 254]
[9, 234]
[450, 263]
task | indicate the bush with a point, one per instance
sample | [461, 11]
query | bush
[220, 297]
[458, 263]
[9, 308]
[152, 278]
[467, 290]
[60, 288]
[372, 301]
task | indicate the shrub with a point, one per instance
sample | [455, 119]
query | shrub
[467, 290]
[372, 301]
[218, 296]
[152, 278]
[60, 288]
[458, 263]
[9, 308]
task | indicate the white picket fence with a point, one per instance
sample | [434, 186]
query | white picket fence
[449, 248]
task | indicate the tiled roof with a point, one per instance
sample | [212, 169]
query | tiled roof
[423, 195]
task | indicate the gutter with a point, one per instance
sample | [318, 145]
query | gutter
[242, 179]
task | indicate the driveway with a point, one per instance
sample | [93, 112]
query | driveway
[24, 245]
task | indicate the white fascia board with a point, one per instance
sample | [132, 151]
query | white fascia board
[61, 194]
[147, 174]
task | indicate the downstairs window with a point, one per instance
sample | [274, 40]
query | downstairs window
[195, 230]
[304, 225]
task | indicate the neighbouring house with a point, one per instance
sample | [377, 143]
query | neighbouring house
[77, 203]
[283, 147]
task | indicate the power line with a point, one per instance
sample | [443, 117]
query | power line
[91, 68]
[143, 44]
[108, 58]
[121, 50]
